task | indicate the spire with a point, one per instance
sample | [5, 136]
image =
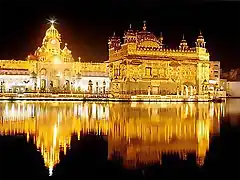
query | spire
[129, 35]
[200, 35]
[65, 47]
[114, 41]
[161, 38]
[52, 21]
[130, 31]
[200, 40]
[52, 32]
[183, 44]
[144, 25]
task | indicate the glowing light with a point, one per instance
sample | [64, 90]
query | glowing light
[56, 60]
[52, 21]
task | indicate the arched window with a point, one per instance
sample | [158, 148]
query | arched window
[43, 72]
[66, 73]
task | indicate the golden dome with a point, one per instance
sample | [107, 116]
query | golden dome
[65, 49]
[52, 32]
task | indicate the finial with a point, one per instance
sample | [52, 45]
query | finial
[130, 26]
[65, 44]
[160, 34]
[144, 25]
[114, 34]
[79, 59]
[183, 37]
[200, 32]
[52, 21]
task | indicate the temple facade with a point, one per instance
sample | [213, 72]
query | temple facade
[53, 69]
[143, 65]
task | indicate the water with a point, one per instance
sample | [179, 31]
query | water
[120, 140]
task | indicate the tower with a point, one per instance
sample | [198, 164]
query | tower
[161, 40]
[202, 67]
[200, 44]
[52, 39]
[183, 44]
[51, 51]
[129, 36]
[114, 42]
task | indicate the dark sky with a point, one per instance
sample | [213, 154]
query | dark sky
[86, 25]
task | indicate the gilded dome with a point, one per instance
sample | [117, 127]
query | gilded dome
[52, 32]
[66, 50]
[146, 38]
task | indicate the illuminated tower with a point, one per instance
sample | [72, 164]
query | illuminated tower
[50, 51]
[114, 42]
[130, 36]
[203, 66]
[183, 44]
[200, 43]
[161, 40]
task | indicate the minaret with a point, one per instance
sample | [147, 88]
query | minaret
[183, 44]
[144, 26]
[129, 36]
[200, 41]
[161, 40]
[114, 42]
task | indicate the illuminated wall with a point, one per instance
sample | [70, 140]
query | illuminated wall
[96, 81]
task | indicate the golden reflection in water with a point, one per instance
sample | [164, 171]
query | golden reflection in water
[141, 132]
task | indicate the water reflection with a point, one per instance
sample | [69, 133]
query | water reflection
[141, 132]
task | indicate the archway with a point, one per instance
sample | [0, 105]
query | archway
[90, 84]
[67, 85]
[43, 72]
[188, 88]
[43, 84]
[191, 90]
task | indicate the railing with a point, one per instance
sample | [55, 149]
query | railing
[171, 97]
[54, 95]
[70, 96]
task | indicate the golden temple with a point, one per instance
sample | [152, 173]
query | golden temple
[140, 65]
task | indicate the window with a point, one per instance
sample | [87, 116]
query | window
[148, 71]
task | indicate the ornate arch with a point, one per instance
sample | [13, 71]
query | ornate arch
[43, 71]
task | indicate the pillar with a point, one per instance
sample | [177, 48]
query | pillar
[182, 90]
[186, 88]
[97, 87]
[90, 86]
[191, 90]
[104, 87]
[149, 90]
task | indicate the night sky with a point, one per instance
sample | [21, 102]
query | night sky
[86, 25]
